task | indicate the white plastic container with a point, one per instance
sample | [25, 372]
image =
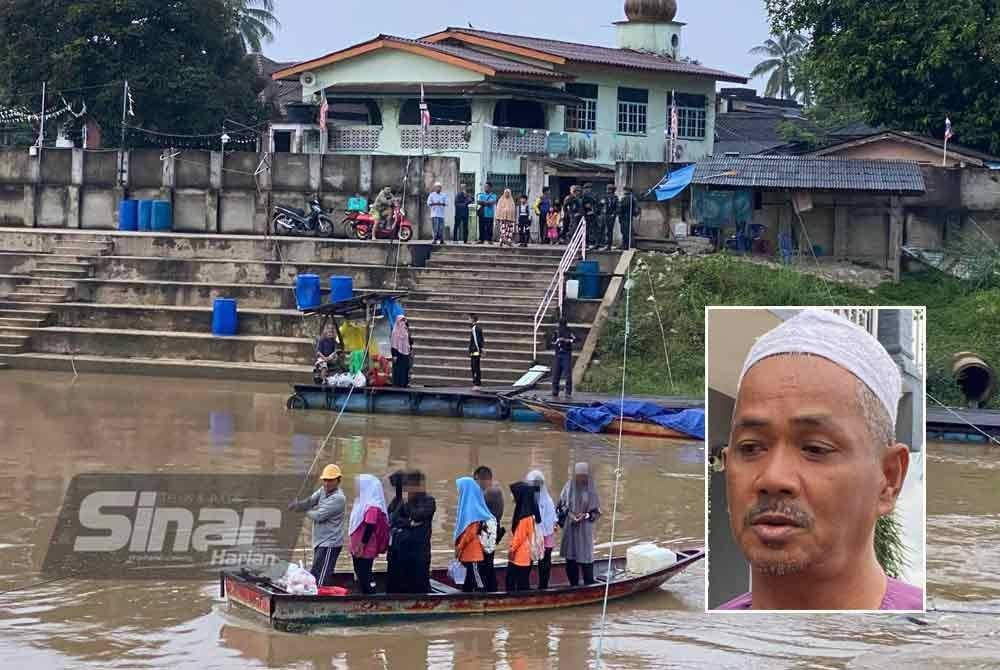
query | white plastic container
[572, 289]
[643, 559]
[680, 230]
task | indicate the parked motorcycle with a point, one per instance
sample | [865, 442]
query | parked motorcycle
[294, 221]
[361, 223]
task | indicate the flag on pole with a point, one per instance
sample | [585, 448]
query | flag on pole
[131, 102]
[948, 134]
[425, 112]
[674, 119]
[324, 111]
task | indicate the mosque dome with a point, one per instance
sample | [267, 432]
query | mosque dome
[651, 11]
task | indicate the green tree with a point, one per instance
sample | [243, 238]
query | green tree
[783, 56]
[186, 66]
[905, 64]
[255, 22]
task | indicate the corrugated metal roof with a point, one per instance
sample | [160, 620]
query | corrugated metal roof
[812, 174]
[589, 53]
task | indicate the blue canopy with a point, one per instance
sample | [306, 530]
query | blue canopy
[597, 417]
[673, 183]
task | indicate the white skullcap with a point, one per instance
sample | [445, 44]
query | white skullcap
[825, 334]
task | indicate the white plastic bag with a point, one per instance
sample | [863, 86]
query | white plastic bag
[359, 381]
[488, 536]
[537, 544]
[299, 581]
[456, 571]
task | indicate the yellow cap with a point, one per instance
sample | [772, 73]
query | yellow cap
[331, 472]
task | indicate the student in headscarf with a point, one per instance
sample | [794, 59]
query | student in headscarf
[579, 510]
[402, 349]
[526, 516]
[547, 525]
[369, 529]
[506, 216]
[411, 536]
[393, 579]
[472, 520]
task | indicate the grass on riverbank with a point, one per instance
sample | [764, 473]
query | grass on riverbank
[961, 316]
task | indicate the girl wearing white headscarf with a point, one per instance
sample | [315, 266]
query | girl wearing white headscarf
[579, 510]
[547, 525]
[369, 529]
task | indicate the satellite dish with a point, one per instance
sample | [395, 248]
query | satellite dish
[307, 79]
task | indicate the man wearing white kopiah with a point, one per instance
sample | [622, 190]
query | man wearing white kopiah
[812, 464]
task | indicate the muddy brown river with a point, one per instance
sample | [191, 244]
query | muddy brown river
[53, 428]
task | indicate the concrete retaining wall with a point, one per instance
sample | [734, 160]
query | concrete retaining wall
[210, 192]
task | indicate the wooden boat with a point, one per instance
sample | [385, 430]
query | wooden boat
[288, 612]
[556, 413]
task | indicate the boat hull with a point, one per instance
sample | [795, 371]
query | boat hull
[291, 613]
[557, 416]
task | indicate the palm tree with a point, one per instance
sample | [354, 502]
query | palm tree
[254, 21]
[784, 53]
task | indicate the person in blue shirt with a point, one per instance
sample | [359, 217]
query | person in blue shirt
[437, 201]
[542, 208]
[486, 201]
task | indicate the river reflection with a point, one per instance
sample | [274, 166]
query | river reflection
[53, 430]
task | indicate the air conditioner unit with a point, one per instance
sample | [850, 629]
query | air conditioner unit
[307, 79]
[678, 151]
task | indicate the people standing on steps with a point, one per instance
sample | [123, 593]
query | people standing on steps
[368, 530]
[460, 231]
[476, 344]
[506, 216]
[437, 202]
[523, 221]
[572, 212]
[607, 212]
[402, 352]
[628, 211]
[579, 509]
[494, 501]
[487, 201]
[546, 526]
[588, 204]
[543, 205]
[325, 508]
[553, 219]
[562, 342]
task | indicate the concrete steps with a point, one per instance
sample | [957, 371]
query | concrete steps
[37, 296]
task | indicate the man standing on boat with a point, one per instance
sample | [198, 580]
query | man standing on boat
[812, 464]
[476, 344]
[494, 502]
[325, 507]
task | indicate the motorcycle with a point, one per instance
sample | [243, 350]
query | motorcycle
[361, 223]
[294, 221]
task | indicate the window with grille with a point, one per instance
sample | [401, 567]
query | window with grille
[691, 115]
[582, 117]
[632, 106]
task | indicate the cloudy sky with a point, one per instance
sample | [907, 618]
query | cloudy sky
[719, 32]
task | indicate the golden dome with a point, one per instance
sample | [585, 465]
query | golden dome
[651, 11]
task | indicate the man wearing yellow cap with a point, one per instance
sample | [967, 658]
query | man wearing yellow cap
[326, 509]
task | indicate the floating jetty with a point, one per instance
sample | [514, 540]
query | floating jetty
[956, 424]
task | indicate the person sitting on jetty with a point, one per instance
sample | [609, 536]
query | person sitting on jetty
[475, 531]
[325, 508]
[326, 354]
[368, 529]
[493, 495]
[547, 525]
[579, 510]
[411, 537]
[526, 516]
[812, 465]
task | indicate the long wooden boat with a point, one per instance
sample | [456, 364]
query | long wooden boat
[555, 413]
[288, 612]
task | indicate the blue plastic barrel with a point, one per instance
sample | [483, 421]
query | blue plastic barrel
[590, 279]
[224, 319]
[341, 288]
[307, 291]
[127, 215]
[162, 216]
[145, 215]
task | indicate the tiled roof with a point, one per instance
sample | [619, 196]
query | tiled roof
[812, 174]
[587, 53]
[499, 63]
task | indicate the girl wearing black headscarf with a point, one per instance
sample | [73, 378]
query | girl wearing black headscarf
[410, 537]
[526, 515]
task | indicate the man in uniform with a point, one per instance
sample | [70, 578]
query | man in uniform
[607, 211]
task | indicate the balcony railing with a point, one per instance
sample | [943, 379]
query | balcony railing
[519, 141]
[439, 138]
[353, 138]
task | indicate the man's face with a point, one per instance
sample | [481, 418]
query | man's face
[581, 480]
[488, 188]
[331, 485]
[804, 480]
[484, 482]
[437, 188]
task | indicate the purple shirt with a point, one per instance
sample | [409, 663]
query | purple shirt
[898, 596]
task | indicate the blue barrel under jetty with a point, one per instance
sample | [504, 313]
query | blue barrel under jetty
[307, 294]
[163, 219]
[341, 288]
[128, 215]
[145, 215]
[224, 319]
[590, 279]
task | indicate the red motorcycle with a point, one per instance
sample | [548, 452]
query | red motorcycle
[361, 223]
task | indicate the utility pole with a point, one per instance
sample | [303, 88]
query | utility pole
[121, 147]
[41, 129]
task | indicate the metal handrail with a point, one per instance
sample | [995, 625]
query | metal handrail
[578, 243]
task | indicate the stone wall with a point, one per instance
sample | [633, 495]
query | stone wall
[211, 192]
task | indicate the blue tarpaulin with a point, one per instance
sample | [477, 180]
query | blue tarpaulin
[597, 417]
[390, 310]
[674, 183]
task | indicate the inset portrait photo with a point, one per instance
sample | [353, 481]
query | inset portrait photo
[815, 492]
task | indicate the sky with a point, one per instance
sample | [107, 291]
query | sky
[719, 32]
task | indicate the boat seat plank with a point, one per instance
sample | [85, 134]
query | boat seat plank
[441, 587]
